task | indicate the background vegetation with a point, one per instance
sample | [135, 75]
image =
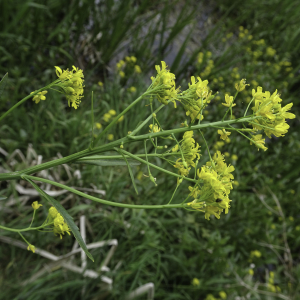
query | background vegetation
[223, 42]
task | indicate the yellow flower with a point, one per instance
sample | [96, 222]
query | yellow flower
[110, 137]
[122, 74]
[99, 125]
[60, 226]
[154, 128]
[121, 119]
[35, 205]
[39, 96]
[133, 59]
[223, 295]
[71, 83]
[224, 134]
[112, 112]
[120, 64]
[229, 101]
[255, 253]
[53, 212]
[132, 89]
[100, 83]
[31, 248]
[164, 82]
[137, 69]
[234, 157]
[251, 272]
[106, 117]
[241, 85]
[196, 282]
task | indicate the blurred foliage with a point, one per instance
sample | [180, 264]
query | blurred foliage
[168, 247]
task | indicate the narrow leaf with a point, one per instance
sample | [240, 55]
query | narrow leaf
[3, 83]
[2, 198]
[106, 162]
[66, 216]
[130, 172]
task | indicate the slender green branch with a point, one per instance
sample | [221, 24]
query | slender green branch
[117, 143]
[106, 202]
[26, 98]
[22, 230]
[156, 167]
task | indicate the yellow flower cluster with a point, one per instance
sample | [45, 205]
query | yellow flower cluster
[216, 179]
[127, 66]
[272, 116]
[39, 96]
[196, 98]
[190, 153]
[164, 81]
[271, 286]
[107, 116]
[71, 83]
[59, 224]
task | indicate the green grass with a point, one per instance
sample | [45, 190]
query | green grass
[166, 247]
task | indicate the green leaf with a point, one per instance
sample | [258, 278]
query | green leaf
[3, 83]
[94, 160]
[2, 198]
[130, 172]
[65, 215]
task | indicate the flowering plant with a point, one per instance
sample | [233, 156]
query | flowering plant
[211, 182]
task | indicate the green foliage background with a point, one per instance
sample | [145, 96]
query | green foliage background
[166, 247]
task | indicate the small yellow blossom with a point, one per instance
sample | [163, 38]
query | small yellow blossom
[154, 128]
[255, 253]
[53, 212]
[106, 117]
[137, 69]
[39, 96]
[223, 295]
[229, 101]
[132, 89]
[110, 137]
[112, 112]
[234, 157]
[251, 272]
[291, 218]
[196, 282]
[241, 85]
[100, 83]
[133, 59]
[31, 248]
[99, 125]
[224, 134]
[121, 119]
[35, 205]
[122, 74]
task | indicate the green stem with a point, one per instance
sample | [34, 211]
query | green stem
[121, 114]
[32, 218]
[248, 107]
[117, 143]
[26, 98]
[156, 167]
[25, 229]
[106, 202]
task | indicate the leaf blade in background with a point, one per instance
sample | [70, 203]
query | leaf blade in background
[3, 83]
[100, 161]
[68, 219]
[130, 173]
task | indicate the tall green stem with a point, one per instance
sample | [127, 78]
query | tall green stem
[106, 202]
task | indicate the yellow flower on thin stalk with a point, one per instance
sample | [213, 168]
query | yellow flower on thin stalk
[224, 134]
[39, 96]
